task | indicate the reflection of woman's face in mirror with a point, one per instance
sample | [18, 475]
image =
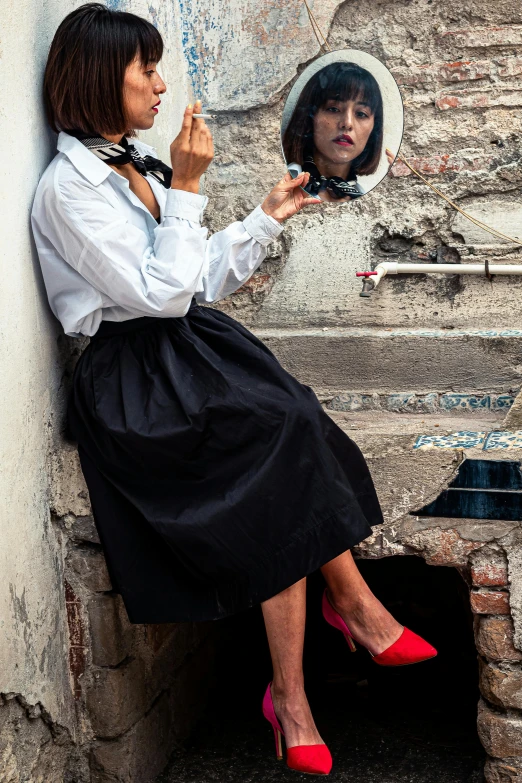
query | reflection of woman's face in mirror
[341, 132]
[336, 130]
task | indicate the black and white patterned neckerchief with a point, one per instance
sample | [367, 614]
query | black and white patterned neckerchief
[123, 152]
[339, 187]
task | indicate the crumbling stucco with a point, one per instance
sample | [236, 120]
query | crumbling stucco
[470, 150]
[459, 71]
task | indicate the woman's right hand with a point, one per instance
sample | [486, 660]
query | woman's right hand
[191, 151]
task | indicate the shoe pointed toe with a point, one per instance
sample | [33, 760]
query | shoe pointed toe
[312, 759]
[409, 648]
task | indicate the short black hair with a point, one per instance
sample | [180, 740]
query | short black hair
[85, 71]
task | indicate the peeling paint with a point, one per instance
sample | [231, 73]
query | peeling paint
[240, 55]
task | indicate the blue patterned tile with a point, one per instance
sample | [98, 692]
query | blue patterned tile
[428, 403]
[467, 401]
[456, 440]
[503, 440]
[400, 401]
[503, 401]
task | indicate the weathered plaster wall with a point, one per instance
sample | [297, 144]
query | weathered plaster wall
[240, 53]
[418, 344]
[37, 719]
[33, 639]
[458, 69]
[54, 727]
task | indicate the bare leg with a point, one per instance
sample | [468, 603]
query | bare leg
[371, 624]
[284, 617]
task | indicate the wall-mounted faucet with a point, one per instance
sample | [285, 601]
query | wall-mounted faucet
[368, 285]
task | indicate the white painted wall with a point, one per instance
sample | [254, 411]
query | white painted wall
[33, 636]
[33, 628]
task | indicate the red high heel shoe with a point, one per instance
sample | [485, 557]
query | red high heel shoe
[409, 647]
[311, 759]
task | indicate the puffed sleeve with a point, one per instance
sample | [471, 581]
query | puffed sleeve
[155, 274]
[231, 255]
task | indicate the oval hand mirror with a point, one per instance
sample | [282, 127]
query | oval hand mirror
[342, 122]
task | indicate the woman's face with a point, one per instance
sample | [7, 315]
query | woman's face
[341, 130]
[142, 87]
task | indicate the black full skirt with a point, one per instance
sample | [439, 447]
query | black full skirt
[216, 479]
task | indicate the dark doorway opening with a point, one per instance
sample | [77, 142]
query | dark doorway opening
[412, 724]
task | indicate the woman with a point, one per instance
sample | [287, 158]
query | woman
[336, 131]
[216, 480]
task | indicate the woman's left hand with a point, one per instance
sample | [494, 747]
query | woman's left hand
[287, 198]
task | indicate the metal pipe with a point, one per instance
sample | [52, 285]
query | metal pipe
[394, 268]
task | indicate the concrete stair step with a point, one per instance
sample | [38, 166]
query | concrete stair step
[332, 360]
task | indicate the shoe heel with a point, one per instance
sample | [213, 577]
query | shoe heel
[278, 744]
[334, 618]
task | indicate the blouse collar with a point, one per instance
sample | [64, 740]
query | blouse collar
[93, 168]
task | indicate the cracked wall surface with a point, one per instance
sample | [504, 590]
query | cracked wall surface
[67, 652]
[458, 70]
[33, 634]
[46, 663]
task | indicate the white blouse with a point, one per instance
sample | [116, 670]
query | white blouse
[105, 257]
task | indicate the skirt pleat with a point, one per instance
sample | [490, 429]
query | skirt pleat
[216, 479]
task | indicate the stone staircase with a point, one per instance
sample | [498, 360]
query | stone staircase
[420, 405]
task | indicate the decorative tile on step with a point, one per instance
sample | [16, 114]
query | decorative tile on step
[449, 402]
[464, 439]
[354, 402]
[503, 440]
[400, 402]
[503, 401]
[430, 402]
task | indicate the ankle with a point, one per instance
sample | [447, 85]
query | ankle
[345, 603]
[287, 690]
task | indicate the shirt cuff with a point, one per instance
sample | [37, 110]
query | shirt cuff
[182, 204]
[262, 227]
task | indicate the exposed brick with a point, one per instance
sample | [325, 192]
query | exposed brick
[471, 99]
[500, 771]
[84, 529]
[77, 648]
[111, 632]
[442, 164]
[489, 602]
[142, 752]
[494, 639]
[442, 547]
[140, 755]
[443, 72]
[501, 735]
[90, 567]
[489, 568]
[481, 37]
[502, 688]
[489, 575]
[509, 66]
[258, 284]
[116, 698]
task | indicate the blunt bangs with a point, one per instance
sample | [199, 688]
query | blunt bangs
[142, 38]
[349, 82]
[85, 71]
